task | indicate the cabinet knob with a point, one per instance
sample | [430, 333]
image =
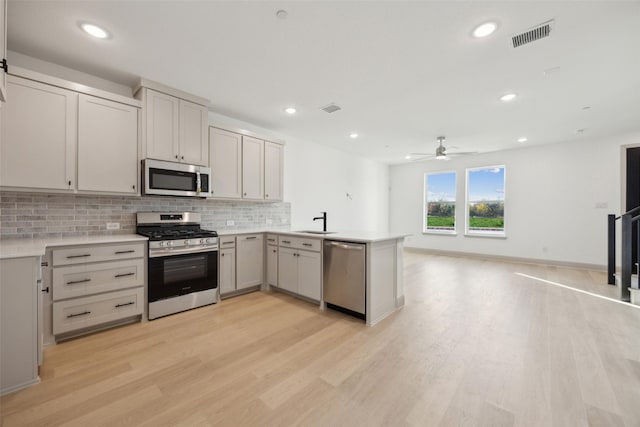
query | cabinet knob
[221, 254]
[176, 156]
[182, 157]
[133, 187]
[266, 196]
[46, 289]
[70, 184]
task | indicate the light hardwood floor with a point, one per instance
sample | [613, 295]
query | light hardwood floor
[475, 344]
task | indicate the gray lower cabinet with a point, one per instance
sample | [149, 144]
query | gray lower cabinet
[249, 260]
[300, 266]
[95, 285]
[227, 264]
[19, 350]
[272, 265]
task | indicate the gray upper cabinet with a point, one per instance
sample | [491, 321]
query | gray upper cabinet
[252, 168]
[107, 146]
[225, 160]
[273, 170]
[3, 49]
[63, 140]
[38, 136]
[175, 129]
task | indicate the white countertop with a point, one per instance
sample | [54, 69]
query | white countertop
[348, 236]
[20, 248]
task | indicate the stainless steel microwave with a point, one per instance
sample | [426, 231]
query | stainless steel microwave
[175, 179]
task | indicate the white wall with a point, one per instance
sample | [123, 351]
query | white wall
[317, 178]
[551, 194]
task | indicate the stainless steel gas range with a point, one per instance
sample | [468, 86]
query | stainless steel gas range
[183, 262]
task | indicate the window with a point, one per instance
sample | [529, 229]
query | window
[485, 201]
[440, 203]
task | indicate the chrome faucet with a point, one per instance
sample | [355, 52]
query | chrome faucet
[324, 220]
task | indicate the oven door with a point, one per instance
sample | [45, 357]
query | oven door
[175, 275]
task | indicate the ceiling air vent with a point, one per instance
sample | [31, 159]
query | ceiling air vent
[331, 108]
[536, 33]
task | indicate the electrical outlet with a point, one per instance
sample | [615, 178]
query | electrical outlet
[113, 226]
[231, 222]
[269, 221]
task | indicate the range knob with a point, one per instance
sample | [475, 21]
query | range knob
[161, 244]
[170, 243]
[186, 242]
[203, 241]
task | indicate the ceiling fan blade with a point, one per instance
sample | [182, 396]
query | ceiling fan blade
[462, 153]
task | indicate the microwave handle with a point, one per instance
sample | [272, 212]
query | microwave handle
[198, 183]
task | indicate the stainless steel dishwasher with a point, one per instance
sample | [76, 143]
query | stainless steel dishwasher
[344, 286]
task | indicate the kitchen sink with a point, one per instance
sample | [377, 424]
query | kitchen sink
[314, 232]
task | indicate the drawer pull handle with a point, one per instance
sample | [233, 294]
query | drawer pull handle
[250, 237]
[227, 243]
[78, 256]
[124, 252]
[271, 240]
[125, 304]
[307, 244]
[78, 314]
[286, 241]
[74, 282]
[124, 275]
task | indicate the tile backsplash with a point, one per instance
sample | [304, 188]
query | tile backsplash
[35, 215]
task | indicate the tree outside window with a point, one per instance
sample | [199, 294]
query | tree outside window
[485, 200]
[440, 203]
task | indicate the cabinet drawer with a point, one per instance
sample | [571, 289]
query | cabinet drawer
[84, 254]
[87, 279]
[272, 239]
[81, 313]
[227, 242]
[300, 243]
[250, 237]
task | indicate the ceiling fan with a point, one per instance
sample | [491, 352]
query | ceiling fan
[441, 152]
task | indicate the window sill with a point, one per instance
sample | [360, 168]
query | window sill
[440, 233]
[490, 236]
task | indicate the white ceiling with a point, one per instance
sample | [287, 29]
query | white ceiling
[403, 72]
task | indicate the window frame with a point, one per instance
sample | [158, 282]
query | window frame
[475, 233]
[425, 190]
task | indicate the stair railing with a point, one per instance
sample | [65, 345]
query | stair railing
[627, 220]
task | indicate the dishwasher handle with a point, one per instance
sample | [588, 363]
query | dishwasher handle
[350, 247]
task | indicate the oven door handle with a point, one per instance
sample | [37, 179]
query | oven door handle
[164, 252]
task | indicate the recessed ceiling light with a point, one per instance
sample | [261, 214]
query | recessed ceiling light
[586, 107]
[353, 135]
[290, 110]
[94, 31]
[407, 157]
[282, 14]
[508, 97]
[484, 30]
[523, 139]
[580, 130]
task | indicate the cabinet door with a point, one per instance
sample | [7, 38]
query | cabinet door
[288, 269]
[39, 136]
[272, 265]
[309, 274]
[3, 48]
[18, 323]
[273, 179]
[162, 115]
[194, 145]
[250, 268]
[225, 160]
[107, 146]
[252, 168]
[227, 269]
